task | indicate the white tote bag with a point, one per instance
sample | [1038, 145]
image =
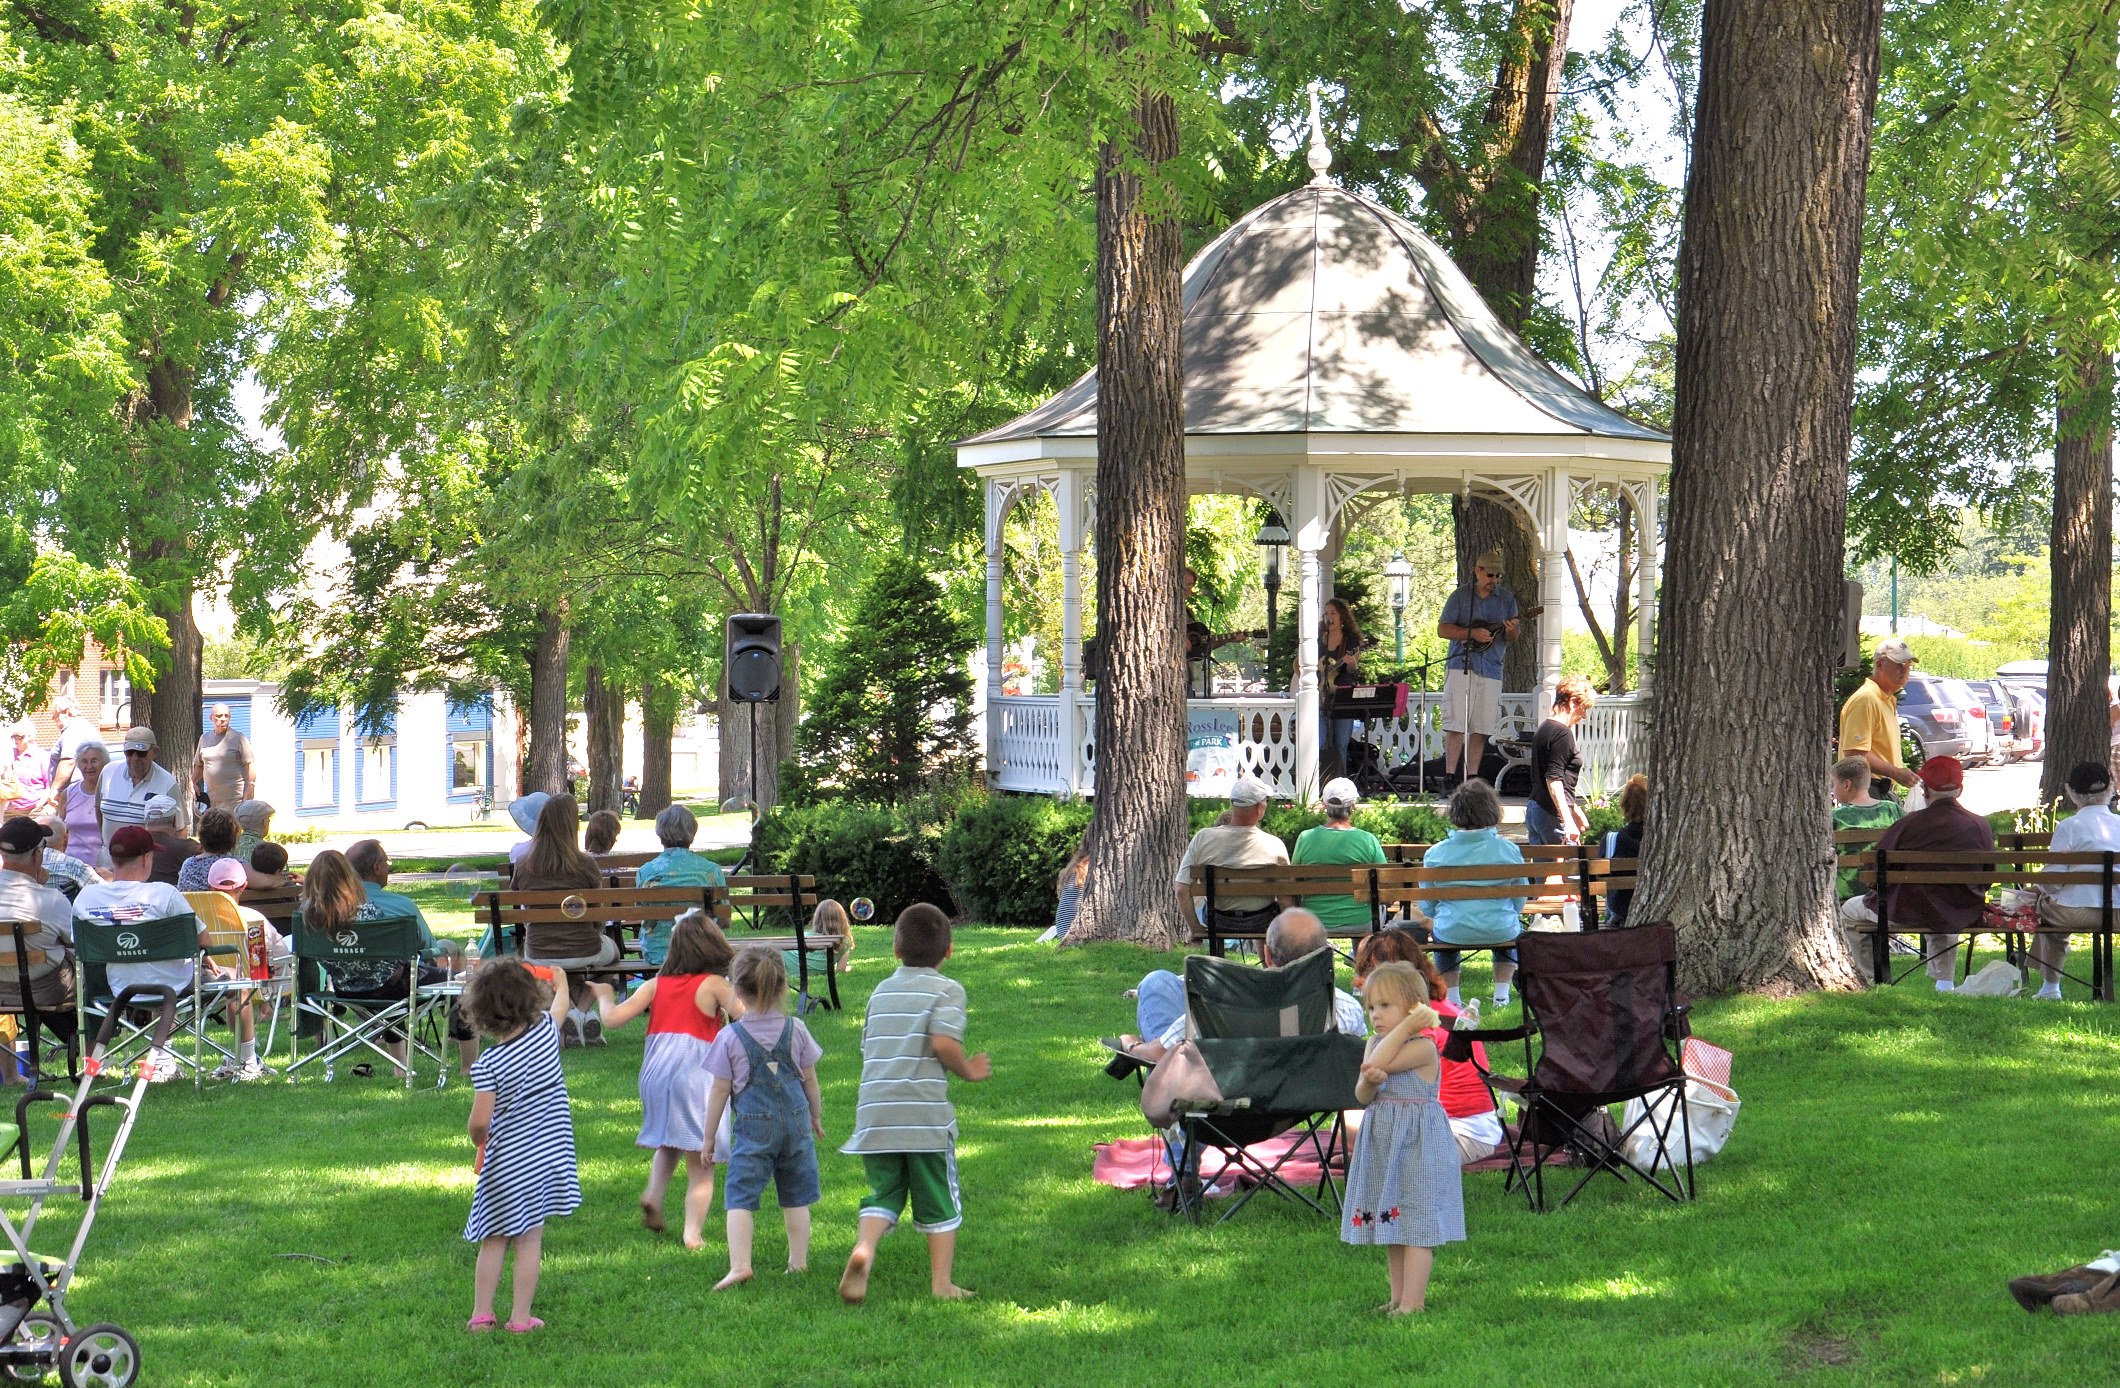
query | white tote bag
[1711, 1112]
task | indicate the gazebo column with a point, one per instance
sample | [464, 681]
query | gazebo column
[997, 499]
[1311, 527]
[1072, 502]
[1553, 586]
[1644, 580]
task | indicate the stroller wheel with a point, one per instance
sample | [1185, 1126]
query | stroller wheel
[100, 1356]
[39, 1333]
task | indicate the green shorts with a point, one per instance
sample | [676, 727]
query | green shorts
[930, 1178]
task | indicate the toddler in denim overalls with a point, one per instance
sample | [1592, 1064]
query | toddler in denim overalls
[778, 1112]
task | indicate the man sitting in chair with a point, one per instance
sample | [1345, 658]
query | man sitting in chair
[1943, 825]
[1159, 1001]
[1238, 843]
[48, 928]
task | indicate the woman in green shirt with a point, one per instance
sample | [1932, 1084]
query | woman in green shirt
[1338, 841]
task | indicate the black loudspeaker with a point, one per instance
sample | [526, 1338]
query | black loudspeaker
[752, 657]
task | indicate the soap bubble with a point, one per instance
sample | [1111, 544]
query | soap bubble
[863, 909]
[574, 908]
[462, 880]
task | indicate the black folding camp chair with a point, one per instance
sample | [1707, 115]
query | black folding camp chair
[1604, 1010]
[1275, 1064]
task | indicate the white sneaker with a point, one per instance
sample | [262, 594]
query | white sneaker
[162, 1067]
[226, 1070]
[2049, 993]
[1944, 985]
[256, 1070]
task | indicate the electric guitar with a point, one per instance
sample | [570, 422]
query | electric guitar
[1494, 629]
[1200, 644]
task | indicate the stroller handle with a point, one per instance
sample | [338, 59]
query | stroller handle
[142, 995]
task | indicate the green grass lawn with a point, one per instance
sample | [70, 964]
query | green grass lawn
[1899, 1157]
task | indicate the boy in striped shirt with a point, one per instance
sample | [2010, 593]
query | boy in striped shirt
[905, 1130]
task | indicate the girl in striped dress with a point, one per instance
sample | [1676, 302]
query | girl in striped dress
[524, 1132]
[686, 1003]
[1404, 1189]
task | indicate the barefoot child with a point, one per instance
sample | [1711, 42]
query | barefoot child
[686, 1004]
[905, 1130]
[1403, 1186]
[766, 1063]
[524, 1132]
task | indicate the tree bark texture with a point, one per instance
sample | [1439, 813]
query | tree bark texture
[173, 708]
[604, 710]
[1137, 831]
[2079, 639]
[658, 727]
[1743, 864]
[547, 770]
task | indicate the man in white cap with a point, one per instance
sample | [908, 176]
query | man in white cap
[1479, 620]
[222, 765]
[1337, 841]
[1239, 843]
[1869, 720]
[127, 789]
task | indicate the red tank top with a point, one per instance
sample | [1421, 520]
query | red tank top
[675, 1007]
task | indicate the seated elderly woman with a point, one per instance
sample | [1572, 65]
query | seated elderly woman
[676, 866]
[1475, 811]
[1466, 1100]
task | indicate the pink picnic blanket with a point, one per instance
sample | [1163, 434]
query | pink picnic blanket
[1134, 1162]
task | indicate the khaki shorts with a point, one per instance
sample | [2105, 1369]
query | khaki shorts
[1471, 703]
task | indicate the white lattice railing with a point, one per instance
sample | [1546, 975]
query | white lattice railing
[1614, 741]
[1031, 753]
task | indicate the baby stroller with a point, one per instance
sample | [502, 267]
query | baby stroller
[36, 1333]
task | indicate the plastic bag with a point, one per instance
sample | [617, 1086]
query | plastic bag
[1711, 1112]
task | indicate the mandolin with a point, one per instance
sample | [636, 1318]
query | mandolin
[1494, 628]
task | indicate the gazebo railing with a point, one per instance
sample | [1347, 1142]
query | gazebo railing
[1034, 756]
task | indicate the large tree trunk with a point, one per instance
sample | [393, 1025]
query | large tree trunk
[173, 709]
[1137, 832]
[2078, 652]
[1498, 248]
[547, 770]
[658, 727]
[1759, 466]
[604, 710]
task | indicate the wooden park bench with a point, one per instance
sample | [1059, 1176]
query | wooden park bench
[1211, 886]
[2017, 863]
[1396, 887]
[1564, 877]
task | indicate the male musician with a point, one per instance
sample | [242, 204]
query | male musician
[1480, 621]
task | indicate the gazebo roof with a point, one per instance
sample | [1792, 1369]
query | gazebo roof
[1322, 313]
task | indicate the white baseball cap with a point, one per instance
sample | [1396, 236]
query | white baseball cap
[1341, 791]
[1250, 790]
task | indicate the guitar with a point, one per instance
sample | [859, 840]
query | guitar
[1200, 644]
[1493, 629]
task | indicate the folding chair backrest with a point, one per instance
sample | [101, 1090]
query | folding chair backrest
[136, 942]
[1232, 1000]
[219, 918]
[17, 958]
[1601, 1000]
[396, 938]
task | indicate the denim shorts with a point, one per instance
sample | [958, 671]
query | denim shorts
[770, 1145]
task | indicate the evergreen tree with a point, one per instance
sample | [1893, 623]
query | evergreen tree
[892, 714]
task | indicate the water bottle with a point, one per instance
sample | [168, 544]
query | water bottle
[1468, 1018]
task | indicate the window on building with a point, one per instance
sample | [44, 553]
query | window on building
[467, 767]
[378, 762]
[115, 693]
[320, 776]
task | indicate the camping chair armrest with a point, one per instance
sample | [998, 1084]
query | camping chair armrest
[1677, 1025]
[1459, 1044]
[220, 949]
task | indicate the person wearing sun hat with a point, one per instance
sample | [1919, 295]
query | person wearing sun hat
[1479, 620]
[524, 810]
[1338, 841]
[1941, 826]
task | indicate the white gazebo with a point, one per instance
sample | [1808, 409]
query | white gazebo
[1334, 358]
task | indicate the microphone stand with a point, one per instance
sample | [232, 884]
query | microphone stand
[1420, 740]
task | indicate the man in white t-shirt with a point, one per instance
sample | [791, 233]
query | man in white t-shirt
[1239, 843]
[129, 898]
[127, 789]
[27, 896]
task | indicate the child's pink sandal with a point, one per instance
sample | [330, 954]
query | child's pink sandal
[525, 1327]
[478, 1323]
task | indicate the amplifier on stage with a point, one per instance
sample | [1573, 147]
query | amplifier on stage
[1371, 701]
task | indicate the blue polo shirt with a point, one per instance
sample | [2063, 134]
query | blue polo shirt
[1465, 607]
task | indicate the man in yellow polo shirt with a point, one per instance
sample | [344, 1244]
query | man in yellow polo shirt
[1869, 720]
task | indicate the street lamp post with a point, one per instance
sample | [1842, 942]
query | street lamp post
[1273, 537]
[1400, 575]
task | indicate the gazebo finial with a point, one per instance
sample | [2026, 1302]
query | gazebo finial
[1320, 157]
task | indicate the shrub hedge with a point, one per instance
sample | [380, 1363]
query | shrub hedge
[1002, 853]
[883, 852]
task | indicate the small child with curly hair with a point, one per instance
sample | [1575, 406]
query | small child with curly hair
[524, 1131]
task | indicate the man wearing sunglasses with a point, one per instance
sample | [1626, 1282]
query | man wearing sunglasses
[128, 788]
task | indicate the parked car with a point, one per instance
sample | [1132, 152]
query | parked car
[2001, 718]
[1933, 719]
[1981, 744]
[2030, 721]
